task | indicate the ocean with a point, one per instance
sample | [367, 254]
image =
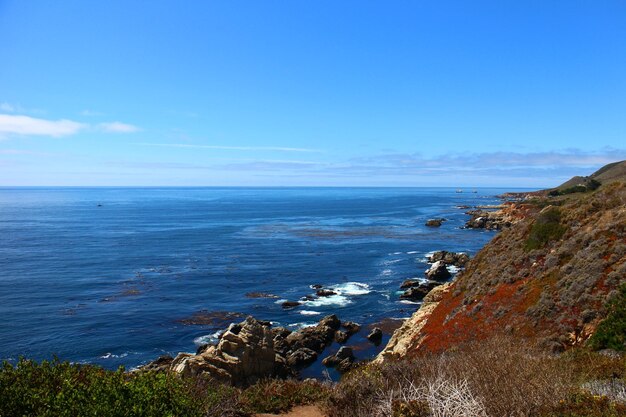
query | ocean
[120, 276]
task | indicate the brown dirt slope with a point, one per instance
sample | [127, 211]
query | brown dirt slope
[547, 278]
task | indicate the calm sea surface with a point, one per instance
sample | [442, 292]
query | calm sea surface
[105, 275]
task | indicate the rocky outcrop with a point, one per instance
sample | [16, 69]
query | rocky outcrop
[252, 349]
[244, 354]
[404, 338]
[450, 258]
[483, 219]
[342, 361]
[418, 292]
[438, 272]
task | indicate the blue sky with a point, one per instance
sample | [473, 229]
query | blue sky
[363, 93]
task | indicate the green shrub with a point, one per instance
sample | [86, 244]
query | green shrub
[611, 333]
[547, 227]
[62, 389]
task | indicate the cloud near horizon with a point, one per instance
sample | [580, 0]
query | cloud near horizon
[118, 127]
[12, 124]
[232, 148]
[26, 125]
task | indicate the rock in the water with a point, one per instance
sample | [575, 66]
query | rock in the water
[341, 337]
[419, 292]
[375, 336]
[244, 354]
[408, 283]
[317, 286]
[325, 293]
[343, 360]
[315, 338]
[351, 327]
[438, 272]
[302, 357]
[450, 258]
[331, 321]
[290, 304]
[434, 222]
[212, 318]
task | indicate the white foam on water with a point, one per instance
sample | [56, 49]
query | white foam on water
[453, 269]
[413, 252]
[396, 253]
[340, 299]
[298, 326]
[110, 355]
[386, 272]
[207, 338]
[331, 300]
[391, 262]
[309, 313]
[353, 288]
[410, 302]
[282, 300]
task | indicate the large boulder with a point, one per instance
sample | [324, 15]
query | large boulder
[375, 336]
[351, 327]
[438, 272]
[301, 358]
[343, 360]
[244, 354]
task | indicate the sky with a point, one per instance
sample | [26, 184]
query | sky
[310, 93]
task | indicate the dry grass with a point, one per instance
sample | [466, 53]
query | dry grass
[492, 378]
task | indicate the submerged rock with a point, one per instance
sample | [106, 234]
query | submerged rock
[212, 318]
[290, 304]
[434, 222]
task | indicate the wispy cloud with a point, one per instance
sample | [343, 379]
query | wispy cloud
[7, 107]
[26, 125]
[232, 148]
[507, 161]
[118, 127]
[90, 113]
[13, 124]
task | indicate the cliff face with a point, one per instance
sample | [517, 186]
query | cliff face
[547, 278]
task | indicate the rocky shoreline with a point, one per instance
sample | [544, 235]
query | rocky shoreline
[254, 349]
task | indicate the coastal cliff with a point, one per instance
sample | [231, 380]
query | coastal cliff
[547, 279]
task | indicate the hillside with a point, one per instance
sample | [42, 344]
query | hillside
[615, 171]
[548, 278]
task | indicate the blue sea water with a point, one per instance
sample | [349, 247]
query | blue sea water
[105, 275]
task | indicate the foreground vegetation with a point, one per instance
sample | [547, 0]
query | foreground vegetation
[493, 378]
